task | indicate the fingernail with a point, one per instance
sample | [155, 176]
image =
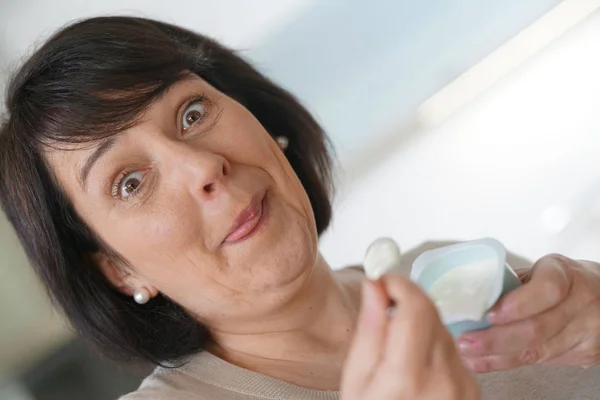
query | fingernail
[369, 314]
[368, 297]
[492, 316]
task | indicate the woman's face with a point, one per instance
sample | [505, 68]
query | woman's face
[201, 203]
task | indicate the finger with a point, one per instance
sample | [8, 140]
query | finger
[485, 364]
[574, 356]
[579, 342]
[369, 340]
[575, 344]
[538, 355]
[502, 362]
[557, 351]
[413, 328]
[513, 337]
[549, 285]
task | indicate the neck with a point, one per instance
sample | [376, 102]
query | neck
[306, 343]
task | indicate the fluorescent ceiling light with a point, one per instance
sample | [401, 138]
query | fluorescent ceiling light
[508, 57]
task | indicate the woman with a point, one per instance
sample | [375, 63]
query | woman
[171, 197]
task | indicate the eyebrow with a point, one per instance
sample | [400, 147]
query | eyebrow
[98, 152]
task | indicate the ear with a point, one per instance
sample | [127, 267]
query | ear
[119, 276]
[116, 274]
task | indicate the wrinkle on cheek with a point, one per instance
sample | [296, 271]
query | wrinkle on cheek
[231, 292]
[290, 176]
[209, 294]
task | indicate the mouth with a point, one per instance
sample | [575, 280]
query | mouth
[249, 221]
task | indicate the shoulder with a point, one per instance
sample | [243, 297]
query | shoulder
[166, 384]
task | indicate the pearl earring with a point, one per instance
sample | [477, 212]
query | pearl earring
[282, 142]
[141, 296]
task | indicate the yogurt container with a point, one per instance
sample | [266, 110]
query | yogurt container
[465, 280]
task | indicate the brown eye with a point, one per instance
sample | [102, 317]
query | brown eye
[130, 184]
[193, 114]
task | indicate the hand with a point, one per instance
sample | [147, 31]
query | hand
[554, 318]
[406, 355]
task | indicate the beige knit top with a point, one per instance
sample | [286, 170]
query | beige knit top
[206, 377]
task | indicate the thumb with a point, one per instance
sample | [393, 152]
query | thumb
[369, 340]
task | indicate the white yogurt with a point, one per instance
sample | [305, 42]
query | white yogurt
[463, 293]
[383, 256]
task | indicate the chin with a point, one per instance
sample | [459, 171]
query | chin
[284, 266]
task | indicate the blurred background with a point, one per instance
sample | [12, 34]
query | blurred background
[452, 119]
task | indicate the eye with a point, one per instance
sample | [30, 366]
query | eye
[192, 114]
[128, 186]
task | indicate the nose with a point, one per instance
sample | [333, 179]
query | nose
[201, 171]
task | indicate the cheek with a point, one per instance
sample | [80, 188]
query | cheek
[153, 238]
[295, 197]
[252, 145]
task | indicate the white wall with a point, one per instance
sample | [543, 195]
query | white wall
[237, 23]
[519, 164]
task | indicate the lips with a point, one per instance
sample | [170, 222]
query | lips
[248, 221]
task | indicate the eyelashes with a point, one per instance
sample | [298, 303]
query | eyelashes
[194, 113]
[127, 185]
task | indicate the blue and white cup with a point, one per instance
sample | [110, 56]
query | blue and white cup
[432, 265]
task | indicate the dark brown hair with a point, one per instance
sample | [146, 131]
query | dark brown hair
[64, 93]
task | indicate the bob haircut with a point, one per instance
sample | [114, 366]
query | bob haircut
[89, 81]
